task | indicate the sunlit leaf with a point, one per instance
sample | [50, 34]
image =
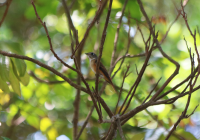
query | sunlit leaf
[4, 71]
[14, 81]
[20, 65]
[33, 121]
[25, 79]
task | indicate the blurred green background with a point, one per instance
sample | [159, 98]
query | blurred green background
[42, 111]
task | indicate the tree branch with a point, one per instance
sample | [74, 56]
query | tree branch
[8, 2]
[116, 37]
[46, 67]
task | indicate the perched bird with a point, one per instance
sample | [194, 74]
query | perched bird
[102, 70]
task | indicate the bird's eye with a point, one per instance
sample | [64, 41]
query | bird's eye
[92, 53]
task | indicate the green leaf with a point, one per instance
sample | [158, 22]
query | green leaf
[4, 71]
[33, 121]
[12, 46]
[14, 81]
[14, 69]
[3, 86]
[4, 138]
[20, 66]
[25, 79]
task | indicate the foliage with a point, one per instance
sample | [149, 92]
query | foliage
[37, 102]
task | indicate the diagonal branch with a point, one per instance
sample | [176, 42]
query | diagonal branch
[98, 14]
[46, 67]
[138, 78]
[162, 52]
[127, 49]
[8, 2]
[116, 37]
[71, 25]
[101, 45]
[85, 123]
[49, 39]
[120, 92]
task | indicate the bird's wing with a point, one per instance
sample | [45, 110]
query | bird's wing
[105, 74]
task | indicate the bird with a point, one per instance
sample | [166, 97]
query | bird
[102, 70]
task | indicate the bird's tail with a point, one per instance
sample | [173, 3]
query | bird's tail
[110, 82]
[113, 87]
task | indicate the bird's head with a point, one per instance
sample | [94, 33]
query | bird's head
[91, 55]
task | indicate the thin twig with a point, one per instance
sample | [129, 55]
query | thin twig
[85, 123]
[183, 115]
[71, 25]
[98, 14]
[139, 78]
[46, 67]
[49, 39]
[164, 37]
[128, 46]
[129, 56]
[173, 99]
[120, 92]
[44, 81]
[8, 2]
[97, 98]
[159, 121]
[136, 69]
[162, 52]
[117, 36]
[119, 127]
[178, 85]
[101, 45]
[151, 91]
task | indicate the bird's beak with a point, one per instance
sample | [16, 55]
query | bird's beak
[86, 53]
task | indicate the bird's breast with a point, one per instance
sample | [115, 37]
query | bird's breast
[93, 65]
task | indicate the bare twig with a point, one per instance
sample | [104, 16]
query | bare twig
[162, 52]
[8, 2]
[119, 127]
[97, 98]
[49, 39]
[116, 37]
[139, 78]
[173, 99]
[194, 38]
[129, 56]
[101, 45]
[136, 69]
[183, 115]
[71, 25]
[46, 67]
[98, 14]
[164, 37]
[77, 99]
[112, 131]
[141, 34]
[120, 92]
[128, 46]
[151, 91]
[85, 123]
[159, 121]
[178, 85]
[44, 81]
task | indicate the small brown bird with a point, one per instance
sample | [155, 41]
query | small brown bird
[102, 70]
